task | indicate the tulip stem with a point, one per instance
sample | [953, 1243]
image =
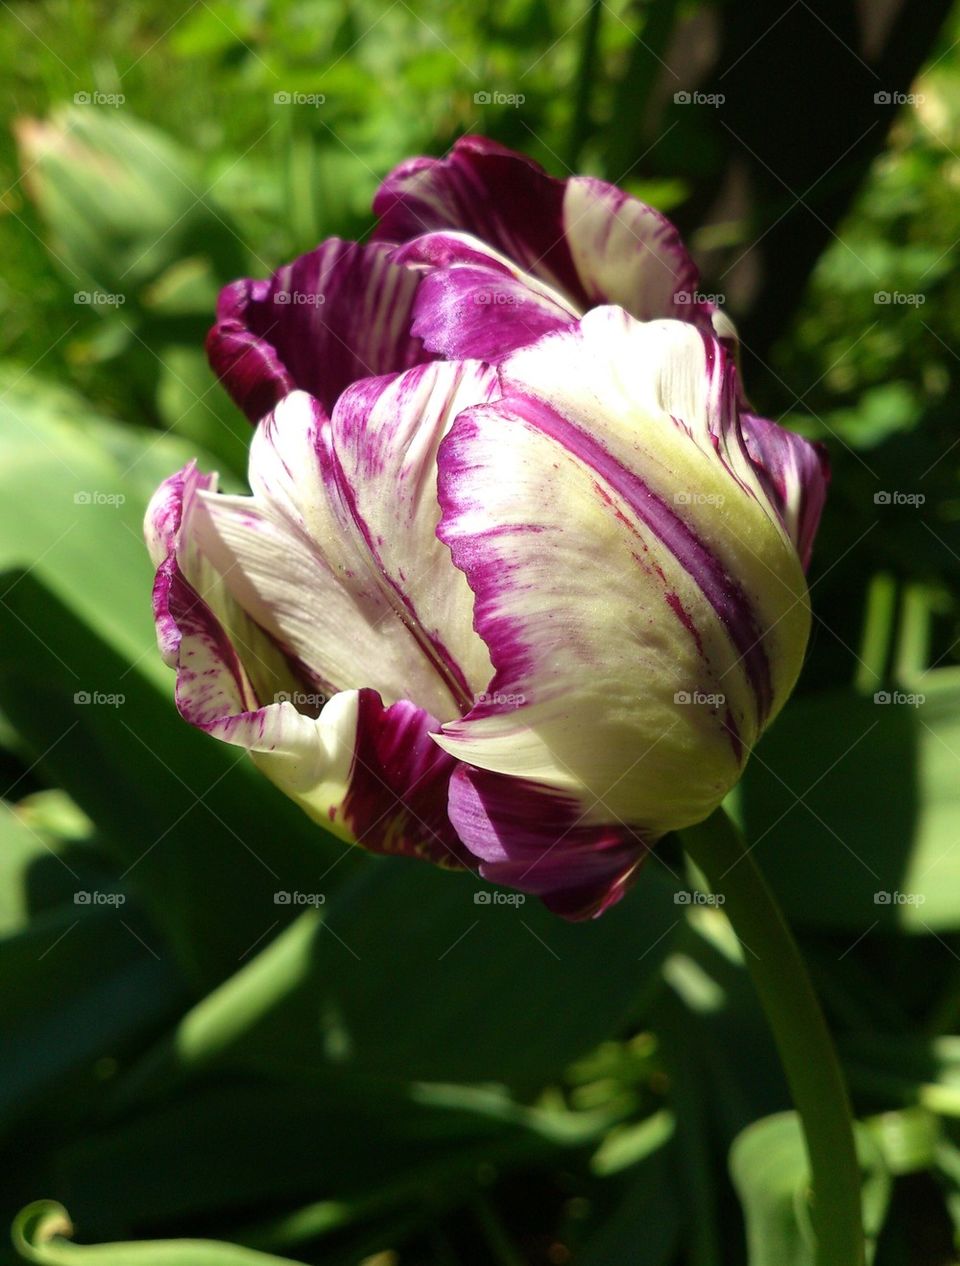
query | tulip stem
[799, 1029]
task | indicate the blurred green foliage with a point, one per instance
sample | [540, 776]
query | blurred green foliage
[390, 1079]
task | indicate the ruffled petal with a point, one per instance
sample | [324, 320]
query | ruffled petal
[585, 238]
[473, 302]
[335, 554]
[486, 190]
[533, 839]
[367, 772]
[795, 473]
[644, 607]
[340, 313]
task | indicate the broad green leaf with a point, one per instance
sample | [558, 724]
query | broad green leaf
[205, 841]
[242, 1145]
[83, 536]
[77, 985]
[400, 974]
[768, 1165]
[853, 807]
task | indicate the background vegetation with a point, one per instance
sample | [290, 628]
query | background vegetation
[402, 1077]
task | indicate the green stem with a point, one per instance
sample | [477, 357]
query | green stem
[799, 1029]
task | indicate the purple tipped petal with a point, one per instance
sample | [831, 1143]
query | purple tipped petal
[370, 773]
[474, 302]
[795, 474]
[339, 313]
[589, 240]
[335, 555]
[397, 800]
[644, 608]
[487, 190]
[530, 838]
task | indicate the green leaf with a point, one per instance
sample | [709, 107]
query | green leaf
[40, 1231]
[401, 975]
[853, 807]
[203, 838]
[83, 536]
[768, 1165]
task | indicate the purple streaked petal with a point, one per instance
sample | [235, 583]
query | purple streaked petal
[386, 433]
[498, 196]
[795, 474]
[335, 555]
[621, 551]
[473, 302]
[399, 779]
[587, 239]
[369, 773]
[340, 313]
[628, 254]
[532, 839]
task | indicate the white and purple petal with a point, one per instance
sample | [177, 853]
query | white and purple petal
[533, 839]
[369, 773]
[584, 237]
[335, 555]
[474, 302]
[339, 313]
[623, 557]
[795, 474]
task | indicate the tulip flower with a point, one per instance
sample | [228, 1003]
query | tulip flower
[474, 255]
[524, 617]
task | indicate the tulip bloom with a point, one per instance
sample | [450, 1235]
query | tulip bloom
[474, 255]
[524, 612]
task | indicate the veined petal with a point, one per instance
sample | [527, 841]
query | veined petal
[474, 302]
[498, 196]
[628, 254]
[339, 313]
[335, 554]
[644, 607]
[795, 473]
[370, 774]
[588, 240]
[533, 839]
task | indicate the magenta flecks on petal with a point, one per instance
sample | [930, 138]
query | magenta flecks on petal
[397, 801]
[530, 838]
[365, 769]
[502, 198]
[339, 313]
[795, 473]
[588, 239]
[474, 303]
